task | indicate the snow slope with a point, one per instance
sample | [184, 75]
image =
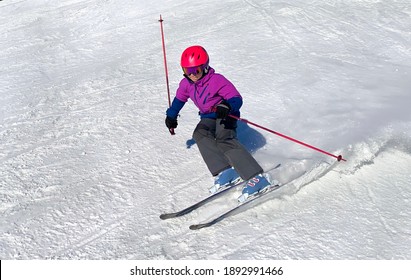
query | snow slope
[87, 165]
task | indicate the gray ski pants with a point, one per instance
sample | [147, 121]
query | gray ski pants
[221, 149]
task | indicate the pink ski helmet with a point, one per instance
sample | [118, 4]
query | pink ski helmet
[194, 56]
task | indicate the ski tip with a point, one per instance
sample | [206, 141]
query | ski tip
[195, 227]
[165, 216]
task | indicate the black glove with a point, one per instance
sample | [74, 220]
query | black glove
[222, 110]
[171, 123]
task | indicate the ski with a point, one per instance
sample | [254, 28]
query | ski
[233, 210]
[260, 195]
[202, 202]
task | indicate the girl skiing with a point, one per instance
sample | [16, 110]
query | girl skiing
[215, 134]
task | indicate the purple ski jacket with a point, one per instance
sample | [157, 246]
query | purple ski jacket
[206, 93]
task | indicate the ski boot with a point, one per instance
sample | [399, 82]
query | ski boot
[225, 178]
[255, 186]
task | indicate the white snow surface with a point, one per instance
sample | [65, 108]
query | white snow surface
[87, 164]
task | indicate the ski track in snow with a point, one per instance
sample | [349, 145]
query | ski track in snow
[82, 136]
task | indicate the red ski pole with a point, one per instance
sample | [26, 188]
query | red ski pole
[165, 67]
[339, 157]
